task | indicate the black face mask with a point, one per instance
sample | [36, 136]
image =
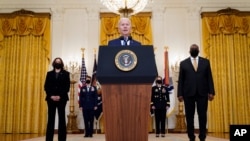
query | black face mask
[194, 52]
[158, 81]
[87, 81]
[58, 65]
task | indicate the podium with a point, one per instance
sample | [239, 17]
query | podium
[126, 75]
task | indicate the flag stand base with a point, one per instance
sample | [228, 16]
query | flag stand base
[72, 125]
[180, 126]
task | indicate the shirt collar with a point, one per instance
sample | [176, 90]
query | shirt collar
[123, 42]
[196, 58]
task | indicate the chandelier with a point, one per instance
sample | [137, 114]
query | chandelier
[125, 7]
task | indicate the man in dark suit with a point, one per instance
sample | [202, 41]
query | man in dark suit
[88, 104]
[195, 87]
[124, 27]
[57, 84]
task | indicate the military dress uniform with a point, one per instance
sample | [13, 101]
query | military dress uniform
[88, 100]
[160, 100]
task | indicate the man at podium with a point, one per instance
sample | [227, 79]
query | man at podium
[126, 87]
[124, 27]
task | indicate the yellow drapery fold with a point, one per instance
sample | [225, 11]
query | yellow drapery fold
[226, 44]
[108, 30]
[141, 28]
[24, 59]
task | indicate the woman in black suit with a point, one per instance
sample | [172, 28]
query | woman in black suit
[195, 87]
[57, 84]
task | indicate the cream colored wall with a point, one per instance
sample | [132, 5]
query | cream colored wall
[75, 25]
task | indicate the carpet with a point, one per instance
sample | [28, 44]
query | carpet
[151, 137]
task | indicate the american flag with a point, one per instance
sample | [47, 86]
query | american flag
[95, 83]
[83, 76]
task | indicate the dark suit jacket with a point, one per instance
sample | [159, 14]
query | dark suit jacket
[191, 82]
[117, 42]
[160, 97]
[57, 86]
[88, 99]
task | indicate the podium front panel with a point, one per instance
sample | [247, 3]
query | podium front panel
[145, 70]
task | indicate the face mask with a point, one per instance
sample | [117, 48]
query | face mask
[158, 81]
[194, 52]
[87, 81]
[58, 65]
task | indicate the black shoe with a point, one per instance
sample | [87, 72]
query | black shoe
[162, 135]
[157, 135]
[86, 136]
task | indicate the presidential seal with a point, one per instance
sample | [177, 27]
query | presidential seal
[125, 60]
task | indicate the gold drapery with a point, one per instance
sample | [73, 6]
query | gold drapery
[226, 44]
[108, 30]
[141, 28]
[24, 61]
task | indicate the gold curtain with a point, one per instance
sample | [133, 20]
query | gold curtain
[226, 44]
[108, 30]
[24, 60]
[141, 28]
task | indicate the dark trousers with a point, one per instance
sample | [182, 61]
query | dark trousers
[201, 103]
[60, 106]
[160, 120]
[88, 116]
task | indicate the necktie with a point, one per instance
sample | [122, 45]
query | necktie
[195, 64]
[125, 42]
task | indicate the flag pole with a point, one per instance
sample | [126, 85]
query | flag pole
[82, 49]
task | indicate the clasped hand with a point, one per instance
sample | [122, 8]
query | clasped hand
[55, 98]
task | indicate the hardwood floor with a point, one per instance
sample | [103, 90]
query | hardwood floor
[220, 135]
[18, 137]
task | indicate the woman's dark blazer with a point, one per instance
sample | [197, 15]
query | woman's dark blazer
[57, 86]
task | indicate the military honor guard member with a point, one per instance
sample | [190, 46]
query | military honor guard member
[88, 104]
[160, 102]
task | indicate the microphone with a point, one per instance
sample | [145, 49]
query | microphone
[129, 37]
[121, 38]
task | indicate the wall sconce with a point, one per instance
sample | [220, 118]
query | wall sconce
[73, 67]
[176, 66]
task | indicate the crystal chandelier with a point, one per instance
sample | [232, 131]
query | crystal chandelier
[125, 7]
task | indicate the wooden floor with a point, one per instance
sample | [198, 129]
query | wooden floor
[18, 137]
